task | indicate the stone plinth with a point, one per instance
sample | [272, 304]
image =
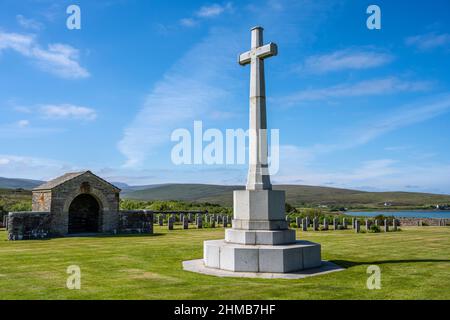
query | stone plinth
[262, 258]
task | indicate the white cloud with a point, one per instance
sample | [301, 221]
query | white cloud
[348, 59]
[429, 41]
[213, 10]
[29, 23]
[207, 12]
[23, 123]
[188, 22]
[364, 88]
[68, 111]
[59, 59]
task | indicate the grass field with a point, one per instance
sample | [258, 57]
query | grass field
[415, 264]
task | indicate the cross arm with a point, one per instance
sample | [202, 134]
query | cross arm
[267, 51]
[245, 58]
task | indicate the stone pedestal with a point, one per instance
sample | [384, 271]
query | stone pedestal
[260, 240]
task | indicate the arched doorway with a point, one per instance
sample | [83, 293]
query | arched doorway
[84, 214]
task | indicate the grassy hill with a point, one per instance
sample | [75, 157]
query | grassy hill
[12, 183]
[295, 194]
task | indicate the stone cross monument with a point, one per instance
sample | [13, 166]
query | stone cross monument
[260, 239]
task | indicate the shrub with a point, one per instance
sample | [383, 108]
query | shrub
[374, 229]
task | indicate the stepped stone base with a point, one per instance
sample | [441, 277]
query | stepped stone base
[260, 237]
[298, 256]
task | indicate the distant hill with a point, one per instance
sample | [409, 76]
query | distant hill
[295, 195]
[11, 183]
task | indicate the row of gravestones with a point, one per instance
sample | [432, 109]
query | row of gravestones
[186, 219]
[304, 224]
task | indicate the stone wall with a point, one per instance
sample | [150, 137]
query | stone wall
[423, 221]
[29, 225]
[135, 221]
[38, 225]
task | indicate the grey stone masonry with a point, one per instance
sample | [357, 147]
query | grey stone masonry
[170, 222]
[212, 222]
[344, 223]
[185, 222]
[135, 221]
[308, 222]
[335, 223]
[56, 197]
[386, 225]
[357, 226]
[367, 224]
[29, 225]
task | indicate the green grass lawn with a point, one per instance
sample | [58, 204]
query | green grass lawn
[415, 264]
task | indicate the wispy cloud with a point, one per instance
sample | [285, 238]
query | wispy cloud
[364, 133]
[213, 10]
[23, 123]
[67, 111]
[429, 41]
[347, 59]
[186, 93]
[29, 23]
[364, 88]
[207, 12]
[59, 59]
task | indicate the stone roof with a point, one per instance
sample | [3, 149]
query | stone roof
[66, 177]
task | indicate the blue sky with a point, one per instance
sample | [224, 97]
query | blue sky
[356, 108]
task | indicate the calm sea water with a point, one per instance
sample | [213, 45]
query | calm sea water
[404, 214]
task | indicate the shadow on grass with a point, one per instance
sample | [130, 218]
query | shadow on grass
[349, 264]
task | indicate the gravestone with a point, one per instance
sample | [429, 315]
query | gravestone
[185, 222]
[367, 224]
[304, 225]
[316, 224]
[335, 223]
[161, 220]
[377, 223]
[344, 223]
[298, 222]
[353, 223]
[170, 223]
[394, 224]
[212, 222]
[357, 226]
[260, 240]
[199, 221]
[308, 222]
[325, 224]
[225, 221]
[191, 218]
[386, 225]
